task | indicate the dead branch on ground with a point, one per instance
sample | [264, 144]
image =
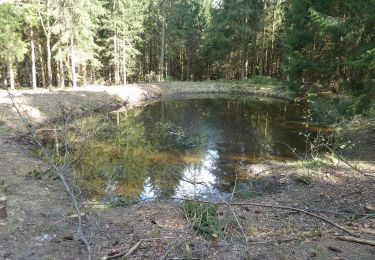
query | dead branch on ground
[357, 240]
[324, 219]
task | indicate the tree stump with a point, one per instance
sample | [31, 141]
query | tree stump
[3, 207]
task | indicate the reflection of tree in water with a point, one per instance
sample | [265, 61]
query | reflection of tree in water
[150, 151]
[114, 161]
[241, 130]
[121, 158]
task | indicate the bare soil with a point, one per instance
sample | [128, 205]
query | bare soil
[40, 223]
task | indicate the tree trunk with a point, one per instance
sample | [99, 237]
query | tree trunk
[273, 22]
[124, 63]
[42, 66]
[161, 65]
[245, 42]
[73, 61]
[49, 56]
[47, 31]
[11, 76]
[263, 29]
[166, 61]
[61, 71]
[84, 75]
[33, 68]
[116, 60]
[49, 62]
[272, 48]
[254, 58]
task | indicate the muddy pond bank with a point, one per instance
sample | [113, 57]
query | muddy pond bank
[40, 223]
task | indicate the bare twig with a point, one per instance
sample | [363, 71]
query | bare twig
[59, 170]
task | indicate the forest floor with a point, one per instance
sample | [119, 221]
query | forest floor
[40, 224]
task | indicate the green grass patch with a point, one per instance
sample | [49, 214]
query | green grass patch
[203, 217]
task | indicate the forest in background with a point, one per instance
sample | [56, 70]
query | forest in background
[328, 44]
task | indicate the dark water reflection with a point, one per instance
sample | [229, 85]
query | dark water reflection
[188, 147]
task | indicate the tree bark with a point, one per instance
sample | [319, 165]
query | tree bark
[42, 65]
[49, 62]
[263, 29]
[270, 62]
[11, 76]
[124, 68]
[49, 56]
[33, 68]
[73, 61]
[61, 71]
[116, 60]
[161, 65]
[245, 42]
[47, 31]
[254, 53]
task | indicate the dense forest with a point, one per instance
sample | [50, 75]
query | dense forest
[325, 43]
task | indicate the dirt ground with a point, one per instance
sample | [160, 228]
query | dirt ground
[40, 224]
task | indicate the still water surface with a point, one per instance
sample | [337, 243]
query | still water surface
[192, 146]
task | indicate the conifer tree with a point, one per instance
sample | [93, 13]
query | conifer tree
[12, 47]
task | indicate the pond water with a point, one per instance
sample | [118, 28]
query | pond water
[193, 146]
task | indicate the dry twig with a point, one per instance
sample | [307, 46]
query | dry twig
[60, 171]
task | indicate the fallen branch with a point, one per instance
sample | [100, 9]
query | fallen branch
[134, 248]
[117, 254]
[349, 164]
[355, 168]
[3, 207]
[357, 240]
[325, 219]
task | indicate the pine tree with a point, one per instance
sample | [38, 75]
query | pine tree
[124, 26]
[76, 25]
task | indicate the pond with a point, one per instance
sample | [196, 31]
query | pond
[192, 146]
